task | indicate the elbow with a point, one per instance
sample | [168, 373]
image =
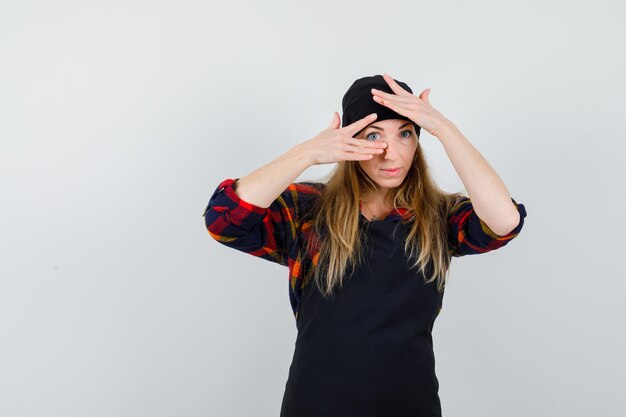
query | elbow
[505, 228]
[214, 221]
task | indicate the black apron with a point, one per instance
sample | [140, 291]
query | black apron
[367, 351]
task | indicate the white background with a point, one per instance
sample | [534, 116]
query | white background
[118, 119]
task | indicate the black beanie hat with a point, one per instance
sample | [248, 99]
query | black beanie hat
[358, 102]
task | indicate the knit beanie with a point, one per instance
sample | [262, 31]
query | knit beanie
[357, 102]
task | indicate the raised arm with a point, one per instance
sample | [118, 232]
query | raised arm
[490, 198]
[262, 186]
[490, 217]
[259, 214]
[489, 195]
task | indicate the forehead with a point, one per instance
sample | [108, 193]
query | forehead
[390, 124]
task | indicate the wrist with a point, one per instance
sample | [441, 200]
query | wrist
[446, 129]
[300, 156]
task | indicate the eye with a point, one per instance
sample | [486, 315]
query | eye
[409, 134]
[406, 136]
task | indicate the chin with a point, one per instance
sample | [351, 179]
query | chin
[389, 182]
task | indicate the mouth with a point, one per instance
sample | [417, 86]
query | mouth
[391, 172]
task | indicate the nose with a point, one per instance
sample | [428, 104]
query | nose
[390, 151]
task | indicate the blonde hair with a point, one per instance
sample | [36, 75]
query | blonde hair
[336, 236]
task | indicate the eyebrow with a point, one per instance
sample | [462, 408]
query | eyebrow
[379, 128]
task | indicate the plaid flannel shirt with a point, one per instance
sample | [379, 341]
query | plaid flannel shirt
[278, 233]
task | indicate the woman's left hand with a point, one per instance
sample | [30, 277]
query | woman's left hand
[418, 109]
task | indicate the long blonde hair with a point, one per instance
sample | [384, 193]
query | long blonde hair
[335, 222]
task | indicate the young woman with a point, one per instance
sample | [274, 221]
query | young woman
[369, 250]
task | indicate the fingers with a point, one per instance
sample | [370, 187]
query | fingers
[353, 128]
[366, 143]
[363, 147]
[378, 94]
[360, 157]
[351, 156]
[395, 87]
[336, 121]
[424, 96]
[398, 107]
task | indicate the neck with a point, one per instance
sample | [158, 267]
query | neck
[375, 199]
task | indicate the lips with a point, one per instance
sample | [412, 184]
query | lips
[391, 172]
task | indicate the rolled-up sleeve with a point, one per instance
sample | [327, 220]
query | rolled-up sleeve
[469, 235]
[267, 232]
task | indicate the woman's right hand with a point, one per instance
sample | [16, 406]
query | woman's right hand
[335, 144]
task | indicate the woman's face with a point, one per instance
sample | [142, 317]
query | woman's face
[401, 140]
